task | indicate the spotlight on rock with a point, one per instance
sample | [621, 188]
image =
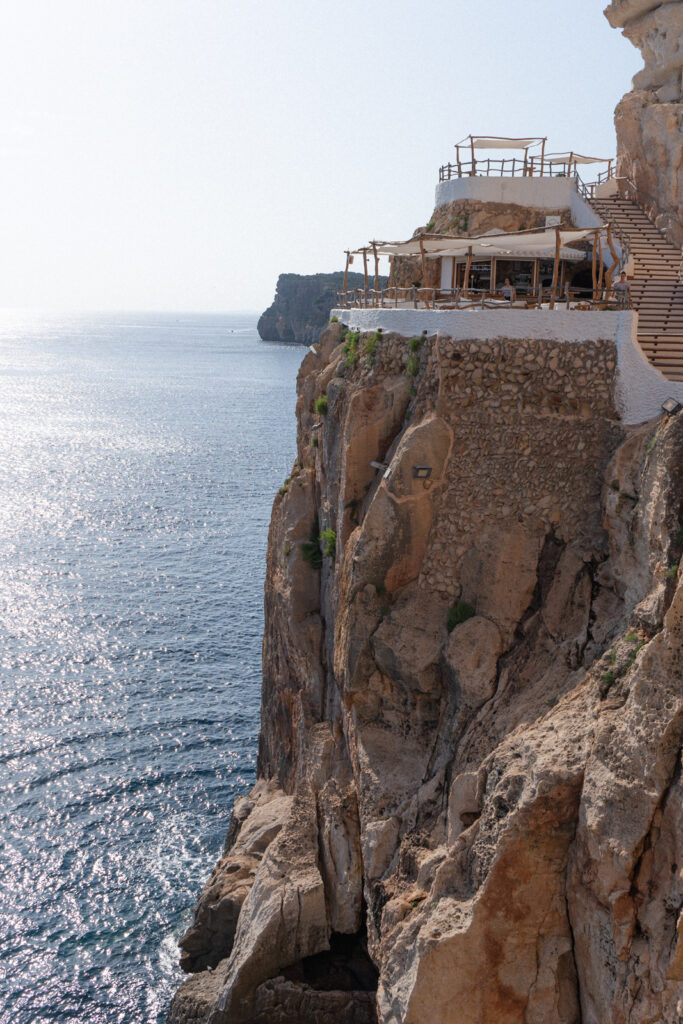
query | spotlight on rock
[422, 472]
[671, 406]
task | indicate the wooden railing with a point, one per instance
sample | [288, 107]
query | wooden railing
[476, 298]
[518, 167]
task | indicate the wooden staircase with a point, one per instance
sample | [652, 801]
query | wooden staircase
[656, 289]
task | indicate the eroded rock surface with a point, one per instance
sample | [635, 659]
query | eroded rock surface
[482, 824]
[649, 120]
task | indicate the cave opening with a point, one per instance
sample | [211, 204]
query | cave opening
[345, 967]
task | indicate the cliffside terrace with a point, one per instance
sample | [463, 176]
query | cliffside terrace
[524, 269]
[529, 161]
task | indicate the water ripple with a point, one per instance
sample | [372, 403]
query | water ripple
[139, 458]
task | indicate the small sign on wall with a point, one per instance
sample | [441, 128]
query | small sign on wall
[553, 221]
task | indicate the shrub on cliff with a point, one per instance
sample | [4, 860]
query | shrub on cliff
[310, 548]
[328, 539]
[459, 613]
[320, 405]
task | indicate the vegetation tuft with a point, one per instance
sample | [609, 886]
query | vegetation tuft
[320, 405]
[413, 364]
[459, 613]
[328, 540]
[310, 548]
[334, 319]
[414, 344]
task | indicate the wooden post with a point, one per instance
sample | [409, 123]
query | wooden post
[556, 266]
[374, 250]
[468, 267]
[457, 157]
[492, 282]
[610, 270]
[535, 274]
[346, 274]
[365, 273]
[595, 256]
[601, 270]
[453, 274]
[424, 263]
[474, 165]
[542, 156]
[526, 155]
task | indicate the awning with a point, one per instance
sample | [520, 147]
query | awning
[493, 142]
[575, 158]
[531, 244]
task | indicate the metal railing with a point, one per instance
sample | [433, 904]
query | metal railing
[477, 298]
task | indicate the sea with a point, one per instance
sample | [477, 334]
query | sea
[139, 457]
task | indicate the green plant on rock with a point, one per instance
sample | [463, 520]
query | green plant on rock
[328, 539]
[413, 364]
[430, 226]
[671, 571]
[334, 319]
[459, 613]
[370, 347]
[414, 344]
[320, 405]
[314, 441]
[310, 548]
[350, 349]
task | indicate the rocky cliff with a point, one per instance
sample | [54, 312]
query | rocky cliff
[302, 305]
[469, 800]
[649, 120]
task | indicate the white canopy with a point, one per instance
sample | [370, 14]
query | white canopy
[531, 244]
[575, 158]
[491, 142]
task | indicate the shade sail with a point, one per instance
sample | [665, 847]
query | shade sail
[518, 243]
[575, 158]
[491, 142]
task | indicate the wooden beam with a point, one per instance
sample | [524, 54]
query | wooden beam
[601, 268]
[374, 251]
[615, 259]
[468, 267]
[492, 282]
[556, 266]
[346, 273]
[365, 273]
[595, 256]
[472, 149]
[424, 263]
[453, 273]
[542, 156]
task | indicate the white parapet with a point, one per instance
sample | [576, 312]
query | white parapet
[640, 388]
[540, 193]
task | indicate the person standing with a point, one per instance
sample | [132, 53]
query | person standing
[622, 291]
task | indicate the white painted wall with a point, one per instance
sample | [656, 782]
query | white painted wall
[540, 193]
[640, 388]
[583, 215]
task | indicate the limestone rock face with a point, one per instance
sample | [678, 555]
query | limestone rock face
[302, 305]
[476, 825]
[649, 120]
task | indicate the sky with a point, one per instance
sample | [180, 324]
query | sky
[180, 154]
